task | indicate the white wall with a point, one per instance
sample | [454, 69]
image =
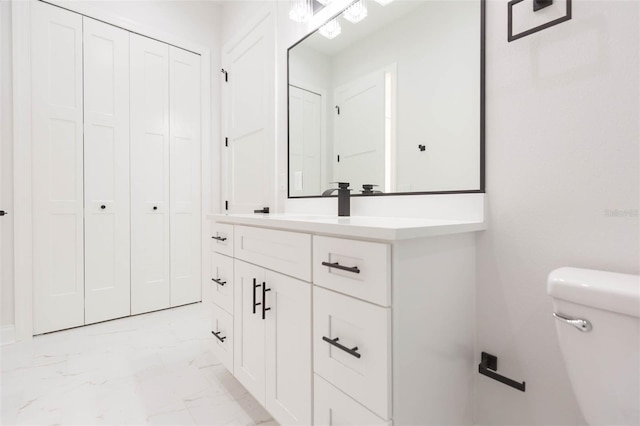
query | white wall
[195, 21]
[6, 168]
[562, 148]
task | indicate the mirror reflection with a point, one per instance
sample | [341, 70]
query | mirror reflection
[388, 96]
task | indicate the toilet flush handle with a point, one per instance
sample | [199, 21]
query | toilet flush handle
[580, 324]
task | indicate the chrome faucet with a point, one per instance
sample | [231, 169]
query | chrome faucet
[344, 197]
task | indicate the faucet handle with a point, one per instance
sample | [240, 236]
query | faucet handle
[367, 189]
[342, 185]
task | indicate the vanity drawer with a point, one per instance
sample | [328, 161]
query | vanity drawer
[222, 238]
[280, 251]
[222, 281]
[368, 273]
[333, 407]
[365, 373]
[222, 325]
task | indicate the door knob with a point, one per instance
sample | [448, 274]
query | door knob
[3, 213]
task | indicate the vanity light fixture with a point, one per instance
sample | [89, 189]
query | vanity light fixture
[356, 12]
[331, 29]
[301, 10]
[324, 2]
[383, 2]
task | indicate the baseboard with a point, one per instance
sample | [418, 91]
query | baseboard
[7, 334]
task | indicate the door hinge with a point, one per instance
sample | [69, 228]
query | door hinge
[226, 141]
[226, 205]
[226, 74]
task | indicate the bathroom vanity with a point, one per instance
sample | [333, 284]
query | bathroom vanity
[363, 320]
[357, 320]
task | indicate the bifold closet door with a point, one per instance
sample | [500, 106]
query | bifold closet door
[106, 171]
[57, 174]
[184, 148]
[150, 241]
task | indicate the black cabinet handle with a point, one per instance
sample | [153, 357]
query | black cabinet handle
[3, 213]
[334, 342]
[217, 334]
[336, 265]
[255, 285]
[103, 207]
[218, 281]
[155, 207]
[264, 300]
[219, 238]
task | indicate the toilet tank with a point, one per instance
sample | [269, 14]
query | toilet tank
[603, 363]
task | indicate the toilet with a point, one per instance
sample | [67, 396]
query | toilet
[598, 325]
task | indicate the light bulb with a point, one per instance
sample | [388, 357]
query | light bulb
[331, 29]
[301, 10]
[356, 12]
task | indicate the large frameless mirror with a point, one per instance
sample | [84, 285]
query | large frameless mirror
[389, 94]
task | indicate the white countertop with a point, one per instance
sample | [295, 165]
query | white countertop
[378, 228]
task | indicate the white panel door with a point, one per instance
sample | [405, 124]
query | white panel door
[106, 171]
[288, 349]
[359, 131]
[249, 120]
[150, 243]
[184, 148]
[305, 139]
[249, 328]
[58, 264]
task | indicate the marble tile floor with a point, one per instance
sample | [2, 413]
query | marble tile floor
[155, 368]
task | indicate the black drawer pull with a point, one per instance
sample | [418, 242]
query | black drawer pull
[335, 343]
[217, 334]
[255, 286]
[336, 265]
[264, 300]
[219, 238]
[218, 281]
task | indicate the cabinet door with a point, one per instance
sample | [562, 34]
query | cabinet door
[184, 176]
[106, 171]
[249, 328]
[248, 114]
[288, 349]
[150, 278]
[58, 263]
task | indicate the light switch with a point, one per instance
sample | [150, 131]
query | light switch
[297, 178]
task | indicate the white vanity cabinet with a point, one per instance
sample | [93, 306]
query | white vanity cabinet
[388, 316]
[271, 315]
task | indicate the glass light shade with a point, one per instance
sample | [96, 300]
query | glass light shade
[301, 10]
[384, 2]
[356, 12]
[331, 29]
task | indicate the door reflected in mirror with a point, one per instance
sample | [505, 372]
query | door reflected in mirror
[394, 100]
